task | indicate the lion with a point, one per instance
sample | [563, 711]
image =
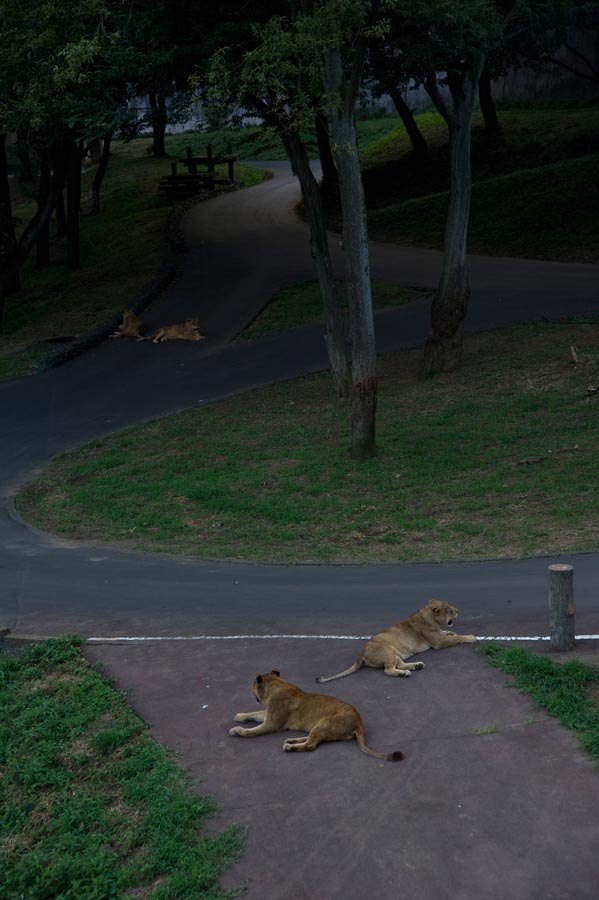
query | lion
[288, 707]
[131, 326]
[421, 631]
[183, 331]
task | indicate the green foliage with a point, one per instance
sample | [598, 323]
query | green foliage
[93, 808]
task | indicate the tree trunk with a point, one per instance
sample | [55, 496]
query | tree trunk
[450, 303]
[26, 242]
[61, 216]
[43, 238]
[335, 330]
[158, 105]
[75, 153]
[101, 170]
[487, 106]
[409, 122]
[8, 238]
[355, 243]
[25, 166]
[329, 172]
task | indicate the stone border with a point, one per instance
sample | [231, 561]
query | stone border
[176, 246]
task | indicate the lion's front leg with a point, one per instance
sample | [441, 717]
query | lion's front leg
[257, 716]
[263, 728]
[449, 640]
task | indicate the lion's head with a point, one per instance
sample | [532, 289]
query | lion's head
[443, 614]
[262, 683]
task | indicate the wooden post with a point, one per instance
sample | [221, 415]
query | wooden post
[209, 155]
[231, 163]
[561, 606]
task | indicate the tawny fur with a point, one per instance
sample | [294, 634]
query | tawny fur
[423, 630]
[131, 326]
[289, 708]
[183, 331]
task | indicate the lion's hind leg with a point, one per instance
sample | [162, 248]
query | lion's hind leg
[310, 742]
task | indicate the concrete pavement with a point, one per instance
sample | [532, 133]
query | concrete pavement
[494, 800]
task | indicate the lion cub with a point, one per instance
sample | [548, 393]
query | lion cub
[421, 631]
[131, 326]
[183, 331]
[287, 707]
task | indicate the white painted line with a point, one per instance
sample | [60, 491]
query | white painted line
[303, 637]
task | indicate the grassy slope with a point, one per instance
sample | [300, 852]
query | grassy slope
[255, 142]
[92, 806]
[121, 250]
[536, 186]
[266, 475]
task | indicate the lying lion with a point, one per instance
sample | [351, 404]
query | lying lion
[183, 331]
[131, 326]
[420, 631]
[287, 707]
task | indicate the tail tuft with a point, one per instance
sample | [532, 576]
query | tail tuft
[396, 756]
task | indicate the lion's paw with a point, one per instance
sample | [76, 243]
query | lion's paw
[419, 665]
[469, 638]
[234, 731]
[239, 717]
[406, 673]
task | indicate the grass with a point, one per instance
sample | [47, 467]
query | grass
[122, 248]
[267, 475]
[92, 807]
[302, 305]
[535, 185]
[259, 142]
[545, 213]
[565, 690]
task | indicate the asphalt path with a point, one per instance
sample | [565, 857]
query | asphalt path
[243, 247]
[493, 799]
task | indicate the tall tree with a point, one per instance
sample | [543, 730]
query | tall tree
[269, 73]
[68, 68]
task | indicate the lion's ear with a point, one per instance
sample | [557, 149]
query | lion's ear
[258, 679]
[274, 672]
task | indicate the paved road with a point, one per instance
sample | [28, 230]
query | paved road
[468, 815]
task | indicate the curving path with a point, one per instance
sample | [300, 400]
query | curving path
[244, 247]
[493, 800]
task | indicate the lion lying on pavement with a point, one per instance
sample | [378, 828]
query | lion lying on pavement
[183, 331]
[131, 326]
[288, 707]
[421, 631]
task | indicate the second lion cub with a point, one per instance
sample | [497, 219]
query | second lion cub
[183, 331]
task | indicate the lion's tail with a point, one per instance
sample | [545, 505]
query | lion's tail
[392, 757]
[353, 668]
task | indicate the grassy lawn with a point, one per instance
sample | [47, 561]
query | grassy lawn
[122, 248]
[302, 305]
[93, 808]
[569, 691]
[496, 459]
